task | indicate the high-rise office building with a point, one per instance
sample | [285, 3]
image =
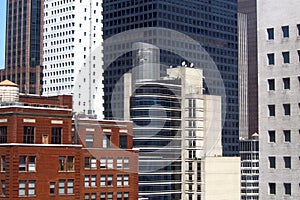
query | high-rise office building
[73, 53]
[248, 67]
[177, 130]
[23, 49]
[278, 76]
[212, 24]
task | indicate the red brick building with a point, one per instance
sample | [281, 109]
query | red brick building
[46, 155]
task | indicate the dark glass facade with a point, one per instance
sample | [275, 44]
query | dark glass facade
[212, 23]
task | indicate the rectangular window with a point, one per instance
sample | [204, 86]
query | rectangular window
[109, 196]
[31, 163]
[87, 164]
[287, 135]
[93, 163]
[119, 180]
[3, 188]
[272, 136]
[119, 196]
[272, 188]
[86, 181]
[287, 109]
[298, 55]
[70, 166]
[271, 110]
[56, 135]
[287, 189]
[126, 195]
[271, 59]
[3, 164]
[272, 162]
[119, 163]
[70, 189]
[106, 141]
[31, 188]
[110, 180]
[287, 162]
[126, 180]
[62, 163]
[286, 57]
[61, 187]
[89, 140]
[126, 163]
[286, 83]
[270, 32]
[28, 135]
[93, 181]
[22, 164]
[123, 141]
[285, 31]
[93, 196]
[3, 134]
[103, 163]
[110, 163]
[102, 180]
[52, 188]
[22, 188]
[271, 84]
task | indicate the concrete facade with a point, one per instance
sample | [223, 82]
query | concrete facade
[278, 75]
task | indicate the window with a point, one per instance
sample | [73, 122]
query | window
[27, 163]
[86, 181]
[22, 188]
[93, 163]
[286, 83]
[87, 163]
[102, 180]
[271, 59]
[119, 196]
[119, 180]
[106, 141]
[52, 188]
[109, 196]
[110, 163]
[287, 189]
[89, 140]
[270, 32]
[103, 163]
[93, 181]
[66, 163]
[271, 110]
[271, 84]
[126, 195]
[286, 57]
[272, 162]
[126, 180]
[287, 109]
[123, 141]
[3, 188]
[56, 135]
[287, 135]
[287, 162]
[126, 163]
[272, 136]
[298, 55]
[110, 180]
[102, 196]
[285, 31]
[28, 135]
[3, 134]
[3, 164]
[119, 163]
[70, 189]
[61, 187]
[272, 188]
[31, 187]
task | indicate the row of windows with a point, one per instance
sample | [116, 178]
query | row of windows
[106, 141]
[106, 180]
[286, 82]
[59, 88]
[286, 160]
[107, 196]
[286, 135]
[61, 2]
[60, 80]
[61, 72]
[285, 32]
[29, 135]
[60, 49]
[59, 57]
[60, 42]
[285, 57]
[61, 10]
[91, 163]
[286, 108]
[287, 188]
[60, 34]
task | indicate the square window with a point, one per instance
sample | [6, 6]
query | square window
[271, 110]
[272, 162]
[286, 57]
[272, 136]
[286, 83]
[272, 188]
[270, 32]
[271, 59]
[287, 189]
[271, 84]
[287, 109]
[285, 31]
[287, 162]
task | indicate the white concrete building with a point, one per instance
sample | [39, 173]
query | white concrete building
[73, 52]
[279, 97]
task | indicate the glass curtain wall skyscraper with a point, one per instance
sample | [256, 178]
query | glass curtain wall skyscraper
[213, 24]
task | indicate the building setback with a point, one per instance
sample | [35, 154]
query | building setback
[46, 155]
[278, 79]
[212, 24]
[23, 47]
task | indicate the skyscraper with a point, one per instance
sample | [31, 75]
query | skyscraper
[212, 24]
[278, 78]
[73, 53]
[24, 33]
